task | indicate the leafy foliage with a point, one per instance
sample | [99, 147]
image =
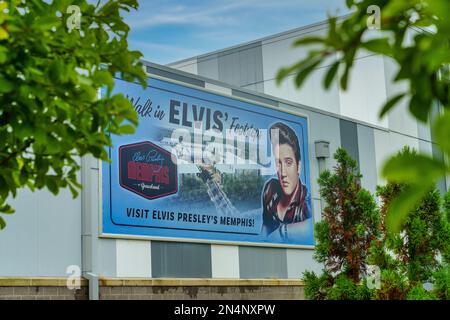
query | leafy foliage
[346, 289]
[419, 293]
[422, 65]
[353, 226]
[442, 282]
[350, 220]
[50, 113]
[424, 236]
[393, 285]
[343, 237]
[316, 287]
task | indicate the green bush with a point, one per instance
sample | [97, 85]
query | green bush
[342, 289]
[350, 223]
[394, 285]
[442, 282]
[316, 286]
[350, 220]
[345, 289]
[353, 234]
[446, 230]
[419, 293]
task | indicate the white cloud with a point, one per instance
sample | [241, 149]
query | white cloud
[205, 15]
[156, 51]
[201, 26]
[219, 12]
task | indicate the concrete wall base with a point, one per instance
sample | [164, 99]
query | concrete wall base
[153, 289]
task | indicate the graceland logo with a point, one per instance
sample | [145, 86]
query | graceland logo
[147, 170]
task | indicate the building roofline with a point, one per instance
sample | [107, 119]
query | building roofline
[308, 27]
[241, 93]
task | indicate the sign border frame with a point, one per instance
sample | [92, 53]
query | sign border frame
[103, 235]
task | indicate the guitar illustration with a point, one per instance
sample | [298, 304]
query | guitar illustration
[216, 194]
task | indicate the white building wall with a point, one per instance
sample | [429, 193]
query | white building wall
[49, 233]
[133, 258]
[189, 66]
[42, 238]
[225, 261]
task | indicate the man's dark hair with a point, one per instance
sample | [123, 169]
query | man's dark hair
[286, 136]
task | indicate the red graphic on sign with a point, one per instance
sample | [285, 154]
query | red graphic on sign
[148, 172]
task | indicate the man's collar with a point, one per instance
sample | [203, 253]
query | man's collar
[296, 198]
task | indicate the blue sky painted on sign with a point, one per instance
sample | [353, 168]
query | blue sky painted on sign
[169, 30]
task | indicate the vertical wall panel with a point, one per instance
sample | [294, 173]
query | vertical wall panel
[59, 232]
[242, 66]
[225, 261]
[42, 238]
[259, 262]
[19, 245]
[133, 258]
[349, 138]
[366, 91]
[106, 257]
[399, 118]
[299, 261]
[180, 260]
[368, 165]
[311, 93]
[209, 67]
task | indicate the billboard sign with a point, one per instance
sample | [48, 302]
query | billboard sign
[207, 167]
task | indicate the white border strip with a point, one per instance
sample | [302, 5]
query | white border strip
[190, 240]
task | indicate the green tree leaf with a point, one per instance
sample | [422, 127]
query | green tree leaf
[403, 204]
[331, 73]
[391, 103]
[5, 85]
[442, 132]
[378, 45]
[49, 82]
[413, 168]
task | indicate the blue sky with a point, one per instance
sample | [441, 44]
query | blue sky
[169, 30]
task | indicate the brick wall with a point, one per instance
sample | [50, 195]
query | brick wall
[203, 289]
[152, 289]
[201, 293]
[41, 289]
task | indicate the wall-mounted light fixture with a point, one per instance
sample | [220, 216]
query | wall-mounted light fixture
[322, 152]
